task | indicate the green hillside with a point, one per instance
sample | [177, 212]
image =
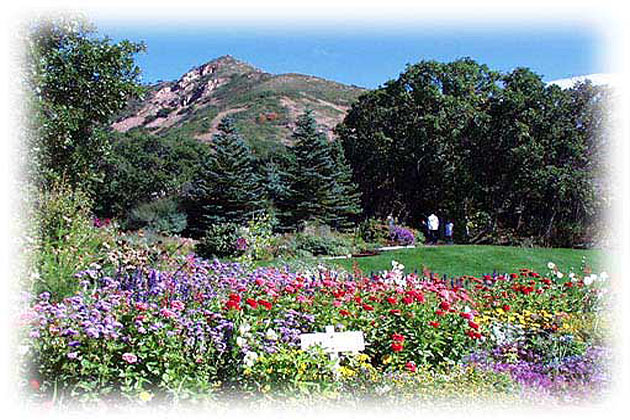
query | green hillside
[265, 106]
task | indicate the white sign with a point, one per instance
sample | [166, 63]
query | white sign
[334, 342]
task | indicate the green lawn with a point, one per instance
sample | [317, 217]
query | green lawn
[457, 260]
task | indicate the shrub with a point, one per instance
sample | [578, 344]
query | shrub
[323, 245]
[221, 241]
[257, 238]
[402, 236]
[373, 230]
[163, 216]
[66, 239]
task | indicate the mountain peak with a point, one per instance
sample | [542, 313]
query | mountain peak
[265, 105]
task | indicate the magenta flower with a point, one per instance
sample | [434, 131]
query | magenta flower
[167, 313]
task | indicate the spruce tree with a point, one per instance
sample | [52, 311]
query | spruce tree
[230, 189]
[346, 204]
[278, 180]
[313, 184]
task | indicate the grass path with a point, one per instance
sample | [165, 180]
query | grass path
[457, 260]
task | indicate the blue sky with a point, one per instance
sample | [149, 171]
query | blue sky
[365, 56]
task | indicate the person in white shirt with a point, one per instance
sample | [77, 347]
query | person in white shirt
[434, 225]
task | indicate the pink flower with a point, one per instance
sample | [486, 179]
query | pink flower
[130, 358]
[177, 305]
[167, 313]
[336, 303]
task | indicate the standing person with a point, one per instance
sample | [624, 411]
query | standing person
[434, 225]
[448, 232]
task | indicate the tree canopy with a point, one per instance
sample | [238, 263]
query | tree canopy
[74, 82]
[503, 154]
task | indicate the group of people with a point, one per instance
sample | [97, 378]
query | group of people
[433, 227]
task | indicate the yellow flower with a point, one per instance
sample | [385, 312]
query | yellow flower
[362, 357]
[145, 396]
[387, 359]
[346, 372]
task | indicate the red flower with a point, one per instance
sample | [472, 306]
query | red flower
[234, 297]
[395, 312]
[367, 307]
[473, 334]
[444, 305]
[411, 367]
[343, 312]
[357, 299]
[466, 315]
[473, 325]
[397, 346]
[434, 324]
[506, 307]
[374, 299]
[440, 312]
[231, 304]
[252, 302]
[407, 300]
[392, 300]
[265, 304]
[398, 337]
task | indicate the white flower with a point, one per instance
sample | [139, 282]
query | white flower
[240, 341]
[250, 358]
[271, 335]
[560, 275]
[551, 265]
[244, 328]
[588, 280]
[572, 276]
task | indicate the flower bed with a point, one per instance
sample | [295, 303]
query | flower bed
[210, 330]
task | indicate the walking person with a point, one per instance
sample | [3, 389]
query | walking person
[434, 225]
[448, 232]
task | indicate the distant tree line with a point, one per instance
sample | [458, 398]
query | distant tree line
[509, 158]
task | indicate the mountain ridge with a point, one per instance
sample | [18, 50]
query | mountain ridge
[264, 105]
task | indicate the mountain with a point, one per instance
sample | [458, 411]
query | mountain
[265, 106]
[596, 79]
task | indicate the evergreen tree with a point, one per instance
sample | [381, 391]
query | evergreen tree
[230, 189]
[346, 204]
[278, 179]
[313, 183]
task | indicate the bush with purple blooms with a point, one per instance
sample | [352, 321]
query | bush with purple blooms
[402, 236]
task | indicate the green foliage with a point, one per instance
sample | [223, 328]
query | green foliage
[291, 373]
[142, 168]
[74, 83]
[464, 141]
[318, 239]
[220, 241]
[258, 238]
[373, 230]
[229, 189]
[163, 216]
[322, 190]
[66, 240]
